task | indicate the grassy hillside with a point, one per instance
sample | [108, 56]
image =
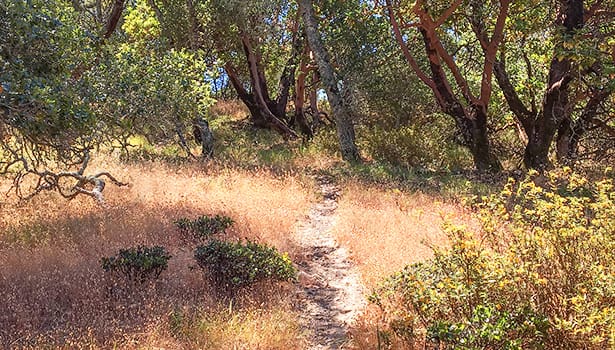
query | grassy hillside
[56, 295]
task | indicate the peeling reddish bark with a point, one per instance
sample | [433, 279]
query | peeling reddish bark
[470, 112]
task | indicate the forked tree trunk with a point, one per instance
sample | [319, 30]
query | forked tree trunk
[471, 121]
[471, 115]
[343, 116]
[264, 111]
[570, 132]
[260, 113]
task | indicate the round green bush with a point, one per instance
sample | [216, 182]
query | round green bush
[234, 265]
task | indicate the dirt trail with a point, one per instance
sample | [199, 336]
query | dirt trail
[332, 294]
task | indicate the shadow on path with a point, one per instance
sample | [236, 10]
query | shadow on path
[332, 292]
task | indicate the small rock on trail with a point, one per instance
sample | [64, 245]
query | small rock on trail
[331, 292]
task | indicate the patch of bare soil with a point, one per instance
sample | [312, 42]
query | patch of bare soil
[331, 295]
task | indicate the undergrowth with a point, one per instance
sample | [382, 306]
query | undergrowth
[203, 227]
[539, 275]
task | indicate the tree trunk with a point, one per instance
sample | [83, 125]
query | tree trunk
[316, 120]
[483, 157]
[556, 104]
[568, 136]
[299, 117]
[288, 74]
[264, 112]
[246, 97]
[114, 18]
[471, 121]
[556, 109]
[260, 114]
[204, 136]
[343, 116]
[570, 132]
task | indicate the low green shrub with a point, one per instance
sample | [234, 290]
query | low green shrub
[138, 264]
[428, 145]
[235, 265]
[541, 274]
[204, 226]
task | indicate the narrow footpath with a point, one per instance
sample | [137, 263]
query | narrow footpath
[332, 294]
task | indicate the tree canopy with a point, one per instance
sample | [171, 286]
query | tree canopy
[530, 80]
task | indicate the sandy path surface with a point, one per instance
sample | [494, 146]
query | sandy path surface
[332, 294]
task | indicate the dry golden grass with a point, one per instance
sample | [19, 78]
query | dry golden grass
[386, 230]
[54, 293]
[234, 109]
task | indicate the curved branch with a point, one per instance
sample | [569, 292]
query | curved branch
[47, 180]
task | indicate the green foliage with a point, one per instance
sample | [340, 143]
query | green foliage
[145, 87]
[141, 24]
[540, 276]
[204, 226]
[138, 264]
[235, 265]
[426, 145]
[40, 46]
[66, 90]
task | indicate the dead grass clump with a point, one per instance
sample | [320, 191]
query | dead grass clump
[275, 327]
[54, 293]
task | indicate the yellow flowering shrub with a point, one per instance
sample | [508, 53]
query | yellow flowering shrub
[540, 275]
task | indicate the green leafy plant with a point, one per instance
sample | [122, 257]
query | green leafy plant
[235, 265]
[138, 263]
[204, 226]
[539, 275]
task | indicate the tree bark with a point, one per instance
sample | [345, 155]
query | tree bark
[260, 114]
[264, 112]
[299, 117]
[114, 18]
[288, 74]
[570, 132]
[470, 120]
[556, 103]
[204, 136]
[555, 116]
[343, 116]
[316, 120]
[110, 26]
[246, 97]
